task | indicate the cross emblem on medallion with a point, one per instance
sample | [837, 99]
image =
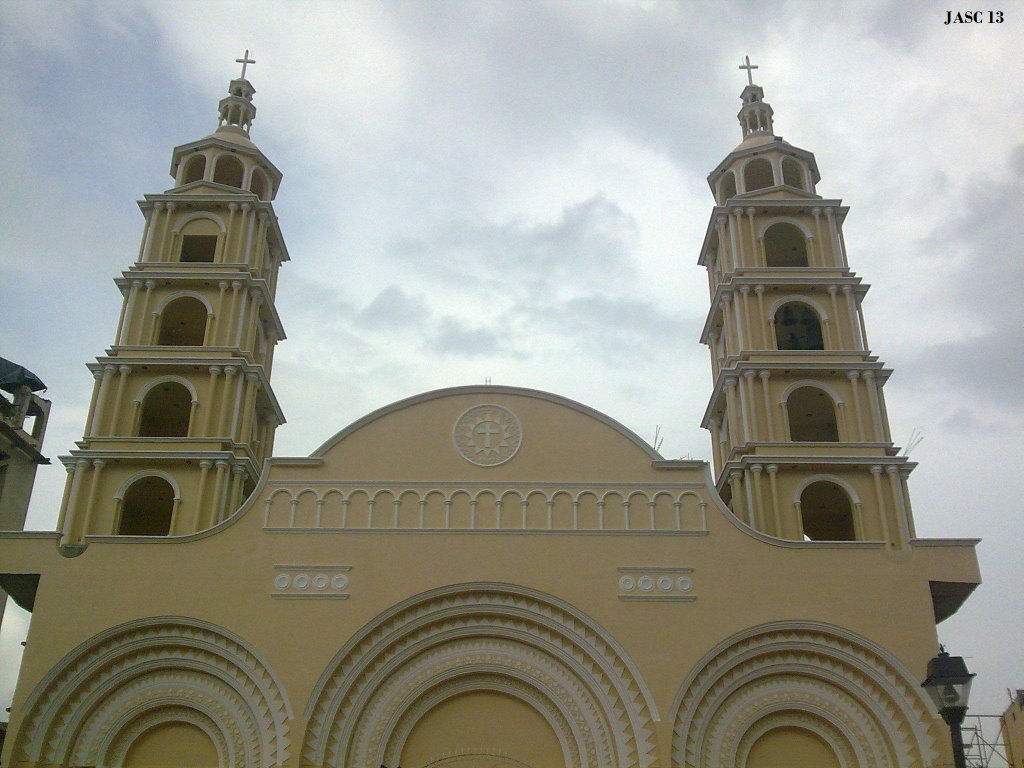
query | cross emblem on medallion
[487, 435]
[486, 429]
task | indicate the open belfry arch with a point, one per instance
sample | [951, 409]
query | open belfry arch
[482, 576]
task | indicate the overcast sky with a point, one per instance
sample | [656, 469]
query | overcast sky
[517, 191]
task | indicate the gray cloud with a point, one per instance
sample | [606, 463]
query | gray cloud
[456, 338]
[984, 293]
[393, 309]
[617, 329]
[591, 241]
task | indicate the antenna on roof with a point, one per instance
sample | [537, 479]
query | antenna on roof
[658, 438]
[916, 436]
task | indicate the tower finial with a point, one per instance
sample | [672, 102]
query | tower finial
[756, 115]
[245, 60]
[746, 65]
[236, 109]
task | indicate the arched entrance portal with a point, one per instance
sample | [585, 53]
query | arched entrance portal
[472, 675]
[801, 694]
[176, 743]
[791, 746]
[482, 729]
[156, 692]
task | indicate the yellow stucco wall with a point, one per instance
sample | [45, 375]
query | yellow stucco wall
[226, 577]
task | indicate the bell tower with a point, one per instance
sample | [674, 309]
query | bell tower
[800, 436]
[182, 412]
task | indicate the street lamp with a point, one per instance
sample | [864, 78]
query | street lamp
[949, 685]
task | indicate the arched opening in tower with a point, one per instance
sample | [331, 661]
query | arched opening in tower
[199, 241]
[812, 416]
[826, 512]
[726, 187]
[785, 246]
[146, 508]
[183, 323]
[797, 327]
[165, 411]
[757, 174]
[195, 169]
[792, 175]
[259, 186]
[229, 171]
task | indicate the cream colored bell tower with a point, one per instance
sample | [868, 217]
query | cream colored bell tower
[182, 412]
[799, 430]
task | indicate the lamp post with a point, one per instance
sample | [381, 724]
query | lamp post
[949, 685]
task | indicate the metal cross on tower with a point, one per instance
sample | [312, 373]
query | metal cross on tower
[244, 61]
[747, 66]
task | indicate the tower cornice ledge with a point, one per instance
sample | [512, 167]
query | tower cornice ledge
[759, 196]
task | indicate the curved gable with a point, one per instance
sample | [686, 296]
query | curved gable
[419, 438]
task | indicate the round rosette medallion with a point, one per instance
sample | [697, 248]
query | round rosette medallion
[487, 435]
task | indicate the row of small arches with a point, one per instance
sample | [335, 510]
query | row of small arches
[462, 509]
[759, 173]
[226, 169]
[147, 509]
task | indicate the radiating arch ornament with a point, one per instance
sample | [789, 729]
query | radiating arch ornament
[480, 637]
[849, 692]
[121, 683]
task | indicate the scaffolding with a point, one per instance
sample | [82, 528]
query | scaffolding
[983, 742]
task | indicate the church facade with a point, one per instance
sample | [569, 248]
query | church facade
[482, 576]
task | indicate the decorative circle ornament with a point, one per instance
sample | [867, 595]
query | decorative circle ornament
[320, 581]
[301, 581]
[487, 435]
[282, 581]
[627, 583]
[646, 583]
[665, 583]
[339, 581]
